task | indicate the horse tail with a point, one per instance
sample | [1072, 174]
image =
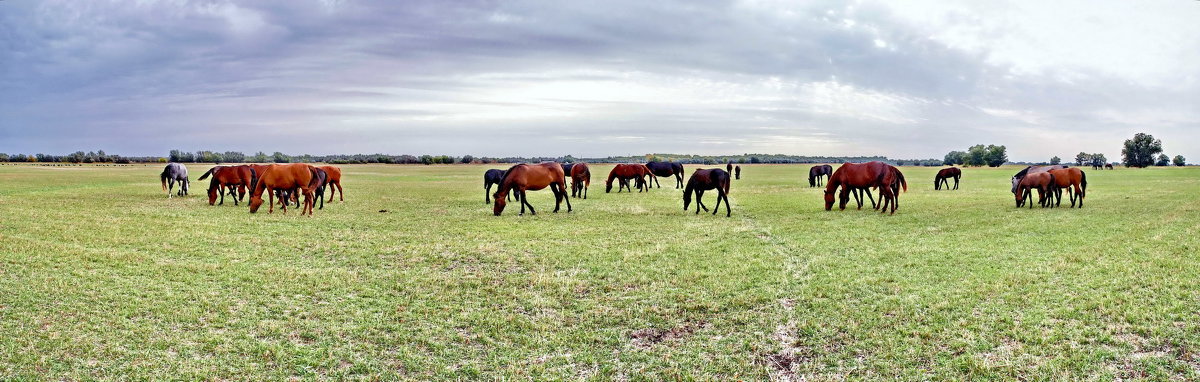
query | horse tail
[811, 179]
[901, 176]
[206, 174]
[1082, 183]
[164, 181]
[315, 180]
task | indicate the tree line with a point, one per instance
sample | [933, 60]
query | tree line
[978, 155]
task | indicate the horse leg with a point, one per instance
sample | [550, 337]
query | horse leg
[523, 200]
[170, 187]
[1079, 193]
[721, 193]
[566, 197]
[956, 182]
[221, 190]
[700, 201]
[558, 195]
[487, 191]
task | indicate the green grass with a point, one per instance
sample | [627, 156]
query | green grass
[103, 277]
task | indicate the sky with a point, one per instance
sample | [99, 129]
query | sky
[904, 79]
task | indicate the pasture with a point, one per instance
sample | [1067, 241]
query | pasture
[102, 277]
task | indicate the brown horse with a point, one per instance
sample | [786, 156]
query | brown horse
[624, 173]
[1043, 182]
[1016, 179]
[737, 172]
[527, 177]
[235, 178]
[710, 179]
[1069, 178]
[1108, 166]
[581, 179]
[851, 176]
[286, 177]
[334, 181]
[944, 175]
[646, 176]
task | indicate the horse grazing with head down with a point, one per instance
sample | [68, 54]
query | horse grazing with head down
[1072, 179]
[1108, 166]
[1043, 182]
[817, 173]
[623, 173]
[667, 169]
[527, 177]
[944, 175]
[581, 179]
[335, 182]
[710, 179]
[852, 176]
[286, 178]
[1016, 179]
[175, 172]
[234, 178]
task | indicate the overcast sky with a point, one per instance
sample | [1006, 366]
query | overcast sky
[905, 79]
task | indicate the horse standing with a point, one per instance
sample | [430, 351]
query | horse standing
[667, 169]
[490, 177]
[1072, 179]
[525, 177]
[944, 175]
[623, 173]
[817, 173]
[175, 172]
[851, 176]
[1043, 182]
[710, 179]
[1016, 179]
[234, 178]
[581, 179]
[737, 172]
[285, 177]
[1108, 166]
[335, 182]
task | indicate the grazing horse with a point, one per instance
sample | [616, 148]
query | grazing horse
[702, 180]
[567, 167]
[624, 173]
[1016, 179]
[175, 172]
[1108, 166]
[737, 172]
[667, 169]
[490, 177]
[527, 177]
[1042, 181]
[944, 175]
[817, 173]
[335, 182]
[851, 176]
[236, 178]
[1069, 178]
[285, 177]
[581, 178]
[646, 176]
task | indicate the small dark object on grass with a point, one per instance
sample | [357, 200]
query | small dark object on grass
[383, 210]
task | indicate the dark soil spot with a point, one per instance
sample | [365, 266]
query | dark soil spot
[648, 337]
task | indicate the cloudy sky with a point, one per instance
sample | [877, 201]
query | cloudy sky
[908, 79]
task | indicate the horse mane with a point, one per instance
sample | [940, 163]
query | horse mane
[504, 180]
[1023, 172]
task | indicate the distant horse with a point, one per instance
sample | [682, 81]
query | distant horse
[1016, 179]
[729, 168]
[666, 169]
[1043, 182]
[175, 172]
[1108, 166]
[285, 177]
[737, 172]
[335, 182]
[1072, 179]
[943, 177]
[581, 179]
[851, 176]
[624, 173]
[817, 173]
[526, 177]
[710, 179]
[490, 177]
[236, 178]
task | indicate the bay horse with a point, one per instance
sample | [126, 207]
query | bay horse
[490, 177]
[335, 182]
[1069, 178]
[175, 172]
[526, 177]
[581, 179]
[1043, 182]
[737, 172]
[623, 173]
[646, 176]
[944, 175]
[1016, 179]
[667, 169]
[851, 176]
[234, 178]
[286, 177]
[817, 173]
[709, 179]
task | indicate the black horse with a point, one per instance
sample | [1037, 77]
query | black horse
[737, 172]
[566, 168]
[490, 177]
[817, 173]
[667, 169]
[710, 179]
[175, 172]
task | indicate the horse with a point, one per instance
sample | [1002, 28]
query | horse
[667, 169]
[1042, 181]
[567, 167]
[581, 178]
[526, 177]
[623, 173]
[236, 178]
[709, 179]
[944, 175]
[286, 177]
[490, 177]
[1108, 166]
[1016, 179]
[322, 181]
[646, 176]
[729, 168]
[1069, 178]
[737, 172]
[175, 172]
[816, 173]
[851, 176]
[335, 181]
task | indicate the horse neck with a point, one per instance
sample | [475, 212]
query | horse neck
[833, 183]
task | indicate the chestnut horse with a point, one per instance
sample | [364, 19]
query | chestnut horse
[851, 176]
[667, 169]
[285, 177]
[1042, 181]
[581, 178]
[816, 173]
[702, 180]
[624, 173]
[527, 177]
[335, 181]
[1016, 179]
[1069, 178]
[944, 175]
[236, 178]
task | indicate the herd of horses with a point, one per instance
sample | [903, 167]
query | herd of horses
[1049, 181]
[287, 182]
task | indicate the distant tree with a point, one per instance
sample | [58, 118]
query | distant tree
[955, 158]
[162, 160]
[76, 157]
[1141, 150]
[426, 159]
[1163, 160]
[279, 157]
[3, 157]
[234, 157]
[101, 156]
[976, 156]
[1082, 158]
[1179, 160]
[469, 159]
[175, 156]
[1055, 160]
[755, 159]
[1098, 161]
[996, 155]
[259, 157]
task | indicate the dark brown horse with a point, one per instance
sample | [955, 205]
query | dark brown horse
[1043, 182]
[624, 173]
[285, 177]
[710, 179]
[944, 175]
[234, 178]
[335, 181]
[490, 177]
[817, 173]
[581, 179]
[665, 169]
[1072, 179]
[737, 172]
[1108, 166]
[729, 168]
[851, 176]
[527, 177]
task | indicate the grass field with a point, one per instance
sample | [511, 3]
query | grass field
[103, 277]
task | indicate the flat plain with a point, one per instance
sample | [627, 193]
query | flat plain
[102, 277]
